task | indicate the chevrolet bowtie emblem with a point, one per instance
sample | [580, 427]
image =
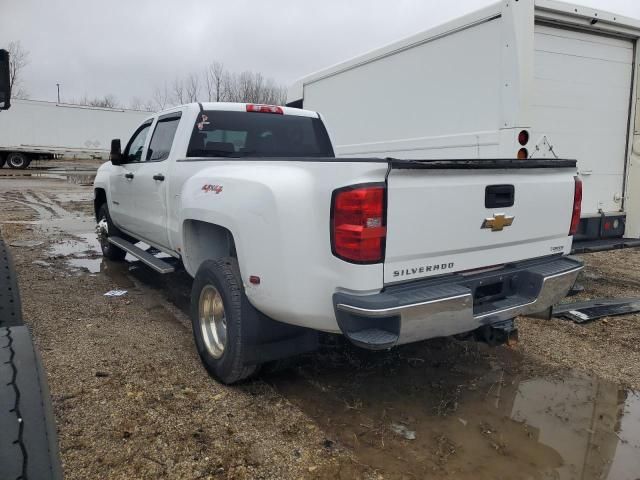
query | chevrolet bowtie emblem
[498, 222]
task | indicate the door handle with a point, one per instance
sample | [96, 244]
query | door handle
[128, 175]
[159, 176]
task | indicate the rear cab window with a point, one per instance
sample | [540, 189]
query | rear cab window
[163, 135]
[240, 134]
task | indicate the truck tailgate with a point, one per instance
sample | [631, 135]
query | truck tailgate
[442, 220]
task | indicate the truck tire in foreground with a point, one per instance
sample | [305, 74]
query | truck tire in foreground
[18, 160]
[10, 306]
[106, 228]
[222, 316]
[28, 442]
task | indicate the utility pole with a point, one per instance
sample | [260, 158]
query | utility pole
[58, 85]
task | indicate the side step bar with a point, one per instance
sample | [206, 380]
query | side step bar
[145, 257]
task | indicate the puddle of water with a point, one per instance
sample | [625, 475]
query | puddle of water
[93, 265]
[80, 252]
[75, 178]
[83, 245]
[471, 419]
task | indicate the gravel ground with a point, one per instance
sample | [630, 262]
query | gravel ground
[610, 347]
[132, 400]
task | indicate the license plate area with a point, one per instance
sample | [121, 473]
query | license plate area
[488, 293]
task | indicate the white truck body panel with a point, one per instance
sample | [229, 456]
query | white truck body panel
[465, 89]
[444, 210]
[61, 129]
[278, 212]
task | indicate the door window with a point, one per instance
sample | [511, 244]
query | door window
[133, 152]
[162, 138]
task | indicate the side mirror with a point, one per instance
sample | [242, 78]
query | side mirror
[5, 82]
[116, 152]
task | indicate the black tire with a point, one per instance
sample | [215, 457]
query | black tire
[241, 316]
[28, 441]
[109, 250]
[10, 307]
[18, 160]
[2, 160]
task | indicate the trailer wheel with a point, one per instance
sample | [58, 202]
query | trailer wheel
[2, 160]
[105, 229]
[222, 316]
[18, 160]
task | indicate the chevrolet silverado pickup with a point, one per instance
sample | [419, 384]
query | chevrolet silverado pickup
[284, 240]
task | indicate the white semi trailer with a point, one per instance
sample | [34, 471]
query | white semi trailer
[517, 79]
[35, 129]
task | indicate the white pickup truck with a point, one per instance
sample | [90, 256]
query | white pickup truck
[285, 240]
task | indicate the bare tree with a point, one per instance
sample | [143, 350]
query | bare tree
[108, 101]
[18, 59]
[220, 85]
[135, 103]
[149, 107]
[192, 89]
[160, 99]
[178, 92]
[214, 76]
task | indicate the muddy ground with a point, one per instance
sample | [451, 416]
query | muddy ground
[132, 401]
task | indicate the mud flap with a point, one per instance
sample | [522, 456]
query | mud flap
[271, 340]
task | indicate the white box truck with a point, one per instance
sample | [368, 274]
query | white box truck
[42, 130]
[517, 79]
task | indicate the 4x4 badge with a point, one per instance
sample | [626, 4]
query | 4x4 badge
[212, 188]
[498, 222]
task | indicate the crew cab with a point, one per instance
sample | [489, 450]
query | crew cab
[284, 240]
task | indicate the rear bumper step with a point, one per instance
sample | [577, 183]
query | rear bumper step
[145, 257]
[600, 245]
[453, 304]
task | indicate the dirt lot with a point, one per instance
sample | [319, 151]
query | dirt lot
[132, 401]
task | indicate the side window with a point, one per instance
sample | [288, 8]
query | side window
[133, 152]
[162, 138]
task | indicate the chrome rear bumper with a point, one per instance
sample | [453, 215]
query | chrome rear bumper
[453, 304]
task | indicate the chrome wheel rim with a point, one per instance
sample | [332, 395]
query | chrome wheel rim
[102, 229]
[213, 321]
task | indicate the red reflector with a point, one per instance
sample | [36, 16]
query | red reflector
[523, 154]
[577, 205]
[254, 279]
[523, 137]
[251, 107]
[358, 224]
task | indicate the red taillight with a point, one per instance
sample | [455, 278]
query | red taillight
[251, 107]
[523, 137]
[358, 223]
[577, 204]
[523, 154]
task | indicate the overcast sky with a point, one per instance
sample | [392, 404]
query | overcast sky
[128, 47]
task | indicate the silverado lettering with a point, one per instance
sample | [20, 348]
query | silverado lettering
[425, 269]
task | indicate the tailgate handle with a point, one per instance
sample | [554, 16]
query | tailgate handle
[499, 196]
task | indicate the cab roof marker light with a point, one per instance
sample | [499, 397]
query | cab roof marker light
[253, 107]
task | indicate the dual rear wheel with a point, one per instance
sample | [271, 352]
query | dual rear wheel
[221, 314]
